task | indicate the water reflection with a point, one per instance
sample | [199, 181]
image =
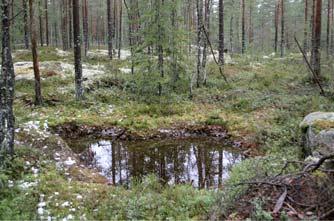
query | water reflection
[203, 163]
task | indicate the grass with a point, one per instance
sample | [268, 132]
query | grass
[262, 105]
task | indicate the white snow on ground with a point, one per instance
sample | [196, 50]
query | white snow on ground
[69, 162]
[125, 70]
[104, 53]
[24, 70]
[62, 53]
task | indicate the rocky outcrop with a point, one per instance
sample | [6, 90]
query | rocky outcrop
[318, 133]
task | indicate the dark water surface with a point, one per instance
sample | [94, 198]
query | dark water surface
[201, 162]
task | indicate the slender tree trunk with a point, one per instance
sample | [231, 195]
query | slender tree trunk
[332, 28]
[277, 9]
[64, 25]
[199, 7]
[26, 24]
[243, 31]
[70, 34]
[175, 72]
[221, 32]
[77, 50]
[55, 24]
[46, 22]
[160, 39]
[282, 29]
[231, 33]
[207, 10]
[120, 29]
[41, 31]
[329, 26]
[316, 55]
[305, 24]
[85, 25]
[250, 29]
[7, 81]
[33, 32]
[110, 29]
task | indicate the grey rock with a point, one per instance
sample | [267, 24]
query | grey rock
[318, 133]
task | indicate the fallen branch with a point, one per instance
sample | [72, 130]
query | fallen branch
[316, 79]
[318, 164]
[213, 54]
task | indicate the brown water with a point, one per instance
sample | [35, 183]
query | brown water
[201, 162]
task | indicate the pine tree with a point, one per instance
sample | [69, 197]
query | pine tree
[77, 50]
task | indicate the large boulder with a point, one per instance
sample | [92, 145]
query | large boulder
[318, 133]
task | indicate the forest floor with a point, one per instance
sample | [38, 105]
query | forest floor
[261, 108]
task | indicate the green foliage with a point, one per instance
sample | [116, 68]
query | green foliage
[259, 212]
[149, 199]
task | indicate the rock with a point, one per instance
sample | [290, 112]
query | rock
[318, 133]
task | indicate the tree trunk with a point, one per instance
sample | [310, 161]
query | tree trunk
[7, 81]
[199, 7]
[85, 25]
[64, 25]
[243, 31]
[250, 29]
[110, 29]
[329, 26]
[316, 55]
[207, 10]
[26, 24]
[160, 39]
[282, 29]
[305, 25]
[231, 33]
[276, 26]
[33, 32]
[332, 28]
[46, 21]
[70, 34]
[55, 24]
[120, 29]
[77, 50]
[41, 31]
[221, 32]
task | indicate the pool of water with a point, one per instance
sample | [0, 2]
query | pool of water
[203, 162]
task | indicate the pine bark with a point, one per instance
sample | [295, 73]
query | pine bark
[85, 25]
[41, 31]
[199, 7]
[207, 13]
[110, 29]
[33, 33]
[7, 81]
[26, 24]
[77, 50]
[282, 46]
[64, 25]
[120, 29]
[316, 54]
[221, 32]
[277, 9]
[46, 22]
[70, 34]
[251, 28]
[329, 26]
[305, 24]
[160, 39]
[243, 27]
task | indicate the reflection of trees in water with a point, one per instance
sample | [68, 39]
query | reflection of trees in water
[201, 165]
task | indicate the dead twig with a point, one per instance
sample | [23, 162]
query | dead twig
[280, 201]
[318, 164]
[213, 54]
[316, 79]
